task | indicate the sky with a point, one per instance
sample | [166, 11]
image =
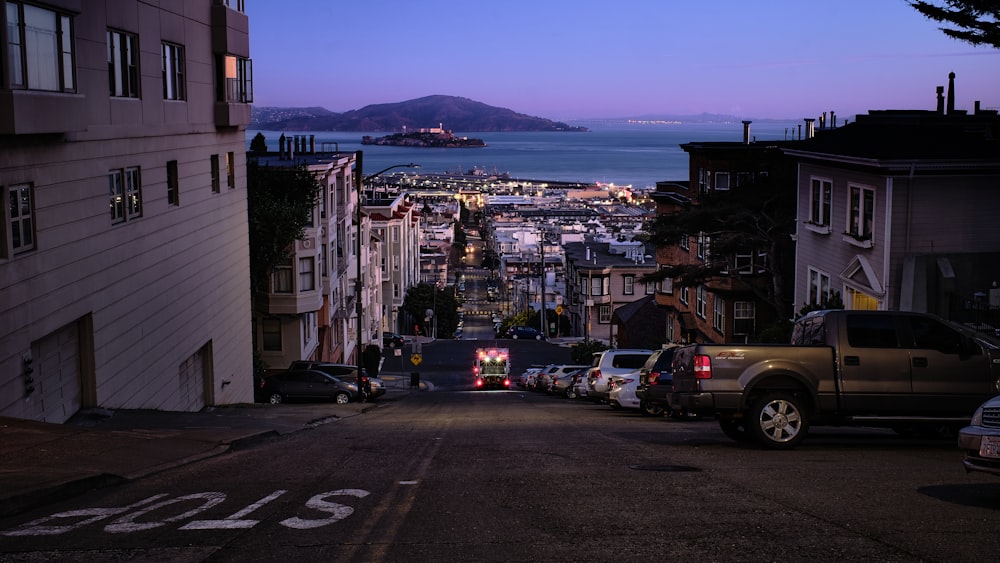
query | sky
[588, 59]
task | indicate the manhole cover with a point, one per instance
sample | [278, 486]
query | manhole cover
[663, 467]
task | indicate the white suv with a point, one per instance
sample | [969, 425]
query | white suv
[612, 363]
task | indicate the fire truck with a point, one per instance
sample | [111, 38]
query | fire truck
[491, 368]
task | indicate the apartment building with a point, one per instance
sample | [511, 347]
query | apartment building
[601, 278]
[898, 211]
[124, 263]
[309, 309]
[395, 226]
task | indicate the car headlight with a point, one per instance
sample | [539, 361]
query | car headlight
[977, 419]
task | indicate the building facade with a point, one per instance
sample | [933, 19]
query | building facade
[124, 263]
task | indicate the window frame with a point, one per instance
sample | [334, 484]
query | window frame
[173, 67]
[306, 274]
[282, 279]
[719, 313]
[21, 49]
[22, 225]
[820, 201]
[123, 64]
[215, 171]
[125, 192]
[604, 314]
[701, 301]
[173, 184]
[860, 211]
[819, 284]
[628, 284]
[236, 79]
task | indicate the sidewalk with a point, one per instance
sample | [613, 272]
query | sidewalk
[42, 463]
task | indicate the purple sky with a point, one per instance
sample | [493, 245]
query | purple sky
[576, 59]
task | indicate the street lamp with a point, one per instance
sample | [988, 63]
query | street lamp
[359, 185]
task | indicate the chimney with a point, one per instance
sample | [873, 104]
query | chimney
[810, 128]
[975, 106]
[281, 147]
[746, 132]
[833, 120]
[312, 144]
[940, 100]
[951, 92]
[822, 121]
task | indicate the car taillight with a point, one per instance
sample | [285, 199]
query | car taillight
[651, 377]
[479, 383]
[475, 370]
[506, 383]
[702, 367]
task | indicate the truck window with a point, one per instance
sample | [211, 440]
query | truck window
[932, 335]
[872, 331]
[809, 331]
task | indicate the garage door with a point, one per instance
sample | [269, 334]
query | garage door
[191, 382]
[58, 384]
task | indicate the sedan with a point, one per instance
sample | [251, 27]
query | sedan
[622, 393]
[980, 440]
[516, 332]
[392, 340]
[308, 385]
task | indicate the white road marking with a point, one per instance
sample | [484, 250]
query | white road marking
[319, 502]
[36, 527]
[234, 521]
[128, 522]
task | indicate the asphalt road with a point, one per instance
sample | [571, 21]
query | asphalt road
[461, 475]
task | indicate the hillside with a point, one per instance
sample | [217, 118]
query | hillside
[454, 113]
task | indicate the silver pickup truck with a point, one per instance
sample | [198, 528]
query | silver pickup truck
[906, 371]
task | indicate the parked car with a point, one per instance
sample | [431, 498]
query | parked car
[656, 383]
[544, 378]
[522, 380]
[308, 384]
[562, 383]
[526, 332]
[610, 363]
[578, 390]
[621, 394]
[980, 440]
[373, 387]
[392, 340]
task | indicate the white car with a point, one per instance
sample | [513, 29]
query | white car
[610, 363]
[622, 393]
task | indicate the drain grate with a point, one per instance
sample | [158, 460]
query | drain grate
[663, 467]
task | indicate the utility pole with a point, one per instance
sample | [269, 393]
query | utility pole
[541, 242]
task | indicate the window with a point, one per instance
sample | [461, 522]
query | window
[930, 334]
[682, 295]
[701, 300]
[650, 288]
[604, 314]
[744, 263]
[237, 80]
[721, 181]
[271, 334]
[819, 287]
[667, 285]
[214, 165]
[684, 242]
[872, 331]
[862, 212]
[281, 277]
[703, 180]
[701, 250]
[629, 285]
[20, 220]
[173, 72]
[307, 274]
[173, 189]
[719, 313]
[599, 285]
[123, 64]
[125, 191]
[323, 266]
[819, 202]
[231, 170]
[40, 48]
[744, 313]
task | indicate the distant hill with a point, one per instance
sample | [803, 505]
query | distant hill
[451, 112]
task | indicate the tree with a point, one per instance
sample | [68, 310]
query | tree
[258, 143]
[280, 201]
[421, 297]
[755, 218]
[976, 22]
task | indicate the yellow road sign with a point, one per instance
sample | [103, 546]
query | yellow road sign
[415, 359]
[559, 309]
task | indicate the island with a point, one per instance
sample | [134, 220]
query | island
[437, 137]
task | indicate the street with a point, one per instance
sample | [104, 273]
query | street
[462, 475]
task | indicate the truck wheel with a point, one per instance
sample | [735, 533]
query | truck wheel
[731, 428]
[778, 421]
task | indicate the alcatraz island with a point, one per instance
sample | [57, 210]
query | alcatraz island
[437, 137]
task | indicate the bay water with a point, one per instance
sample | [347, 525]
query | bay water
[636, 154]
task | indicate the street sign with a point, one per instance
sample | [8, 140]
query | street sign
[559, 310]
[415, 359]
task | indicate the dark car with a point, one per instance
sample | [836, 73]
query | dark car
[392, 340]
[516, 332]
[980, 440]
[308, 384]
[656, 383]
[373, 386]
